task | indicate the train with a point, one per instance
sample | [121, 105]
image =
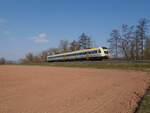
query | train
[97, 53]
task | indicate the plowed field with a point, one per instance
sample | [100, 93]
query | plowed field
[37, 89]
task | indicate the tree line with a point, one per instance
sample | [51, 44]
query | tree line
[4, 61]
[84, 42]
[131, 42]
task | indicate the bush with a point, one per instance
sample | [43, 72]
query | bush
[2, 61]
[30, 58]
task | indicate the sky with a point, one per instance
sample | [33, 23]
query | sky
[36, 25]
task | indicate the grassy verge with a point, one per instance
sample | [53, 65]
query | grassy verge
[145, 104]
[100, 65]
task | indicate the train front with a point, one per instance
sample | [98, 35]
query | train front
[106, 52]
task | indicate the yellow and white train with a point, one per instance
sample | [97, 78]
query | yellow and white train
[98, 53]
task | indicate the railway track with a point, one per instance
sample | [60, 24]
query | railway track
[106, 61]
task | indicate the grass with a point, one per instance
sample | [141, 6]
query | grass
[145, 104]
[99, 65]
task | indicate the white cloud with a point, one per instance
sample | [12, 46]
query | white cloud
[6, 32]
[2, 21]
[41, 38]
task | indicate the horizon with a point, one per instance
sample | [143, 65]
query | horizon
[34, 26]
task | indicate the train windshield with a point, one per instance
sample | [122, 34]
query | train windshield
[104, 47]
[105, 50]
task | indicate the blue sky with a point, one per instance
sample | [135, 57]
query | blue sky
[36, 25]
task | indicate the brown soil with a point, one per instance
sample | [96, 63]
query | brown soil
[35, 89]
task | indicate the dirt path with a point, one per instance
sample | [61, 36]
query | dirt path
[35, 89]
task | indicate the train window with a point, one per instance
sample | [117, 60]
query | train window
[99, 51]
[95, 52]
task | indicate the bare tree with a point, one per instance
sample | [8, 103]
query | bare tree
[132, 50]
[23, 61]
[85, 41]
[137, 45]
[114, 43]
[63, 45]
[131, 42]
[37, 59]
[147, 49]
[74, 45]
[53, 51]
[89, 42]
[127, 41]
[142, 28]
[30, 57]
[44, 55]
